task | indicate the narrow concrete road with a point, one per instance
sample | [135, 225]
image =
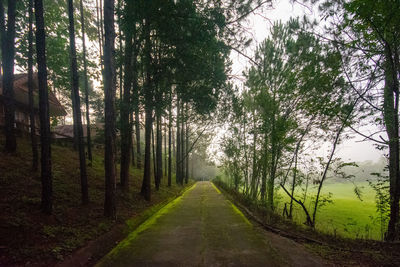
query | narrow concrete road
[203, 228]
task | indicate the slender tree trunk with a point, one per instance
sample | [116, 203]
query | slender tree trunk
[138, 146]
[308, 222]
[187, 150]
[102, 24]
[294, 181]
[135, 101]
[391, 119]
[173, 143]
[263, 180]
[8, 54]
[254, 172]
[121, 63]
[165, 149]
[272, 170]
[148, 95]
[75, 138]
[154, 156]
[183, 146]
[146, 186]
[335, 143]
[35, 153]
[191, 169]
[46, 175]
[99, 24]
[178, 144]
[170, 140]
[264, 170]
[271, 182]
[132, 139]
[275, 156]
[159, 172]
[109, 108]
[126, 128]
[246, 169]
[77, 107]
[86, 83]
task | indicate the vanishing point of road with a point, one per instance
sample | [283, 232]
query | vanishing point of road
[203, 228]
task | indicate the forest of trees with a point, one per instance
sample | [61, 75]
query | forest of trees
[311, 86]
[163, 67]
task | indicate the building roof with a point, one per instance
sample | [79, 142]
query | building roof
[21, 94]
[67, 131]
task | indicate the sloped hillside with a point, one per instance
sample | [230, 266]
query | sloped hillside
[28, 236]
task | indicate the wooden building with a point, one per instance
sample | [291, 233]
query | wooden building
[21, 96]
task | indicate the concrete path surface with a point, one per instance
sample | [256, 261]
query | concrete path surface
[203, 228]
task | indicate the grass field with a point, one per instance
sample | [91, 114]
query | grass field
[347, 216]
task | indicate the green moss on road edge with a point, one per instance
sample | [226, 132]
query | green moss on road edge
[235, 209]
[216, 188]
[137, 225]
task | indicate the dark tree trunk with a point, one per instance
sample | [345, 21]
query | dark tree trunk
[159, 152]
[126, 128]
[8, 54]
[46, 176]
[178, 144]
[75, 138]
[165, 150]
[254, 174]
[102, 26]
[308, 222]
[183, 147]
[293, 184]
[137, 111]
[272, 170]
[146, 185]
[34, 146]
[121, 63]
[325, 172]
[132, 139]
[173, 142]
[154, 156]
[295, 159]
[109, 127]
[148, 95]
[391, 118]
[263, 181]
[86, 83]
[77, 107]
[99, 24]
[135, 100]
[264, 170]
[137, 128]
[191, 169]
[169, 141]
[187, 151]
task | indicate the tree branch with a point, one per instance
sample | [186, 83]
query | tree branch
[367, 137]
[248, 13]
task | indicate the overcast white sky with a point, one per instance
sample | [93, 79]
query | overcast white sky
[283, 10]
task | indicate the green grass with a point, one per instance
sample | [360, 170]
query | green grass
[347, 216]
